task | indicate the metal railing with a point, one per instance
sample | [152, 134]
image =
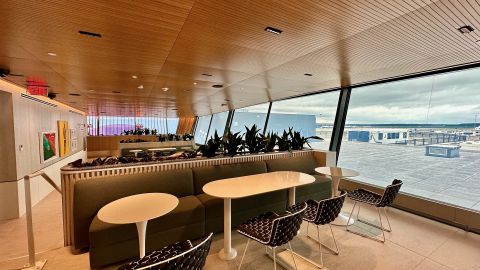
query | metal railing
[32, 263]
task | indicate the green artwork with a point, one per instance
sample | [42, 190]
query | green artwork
[48, 146]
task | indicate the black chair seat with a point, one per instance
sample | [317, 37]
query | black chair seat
[181, 255]
[258, 228]
[365, 196]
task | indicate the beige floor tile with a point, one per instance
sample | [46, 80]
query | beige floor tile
[428, 264]
[460, 251]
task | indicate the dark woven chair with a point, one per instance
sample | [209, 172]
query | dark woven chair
[274, 230]
[181, 255]
[378, 201]
[322, 213]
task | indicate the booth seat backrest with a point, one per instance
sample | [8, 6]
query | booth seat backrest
[92, 194]
[204, 175]
[304, 164]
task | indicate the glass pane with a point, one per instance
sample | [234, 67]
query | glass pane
[421, 131]
[310, 115]
[249, 116]
[219, 121]
[202, 129]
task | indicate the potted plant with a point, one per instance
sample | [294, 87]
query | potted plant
[232, 143]
[284, 141]
[269, 141]
[253, 141]
[298, 141]
[211, 147]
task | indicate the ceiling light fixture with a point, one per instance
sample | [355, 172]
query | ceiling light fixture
[308, 74]
[91, 90]
[74, 94]
[134, 77]
[52, 54]
[273, 30]
[208, 75]
[217, 86]
[165, 89]
[466, 29]
[116, 92]
[140, 86]
[194, 83]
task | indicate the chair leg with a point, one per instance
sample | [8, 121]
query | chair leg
[350, 216]
[293, 256]
[381, 224]
[244, 252]
[336, 251]
[388, 221]
[320, 247]
[373, 225]
[274, 259]
[308, 225]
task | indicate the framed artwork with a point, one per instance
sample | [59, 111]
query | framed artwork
[73, 140]
[48, 146]
[63, 138]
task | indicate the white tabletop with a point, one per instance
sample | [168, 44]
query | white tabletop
[138, 208]
[162, 149]
[245, 186]
[337, 171]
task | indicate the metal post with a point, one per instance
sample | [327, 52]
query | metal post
[340, 117]
[267, 118]
[228, 124]
[208, 130]
[28, 206]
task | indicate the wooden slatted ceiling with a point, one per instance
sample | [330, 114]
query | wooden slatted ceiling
[172, 43]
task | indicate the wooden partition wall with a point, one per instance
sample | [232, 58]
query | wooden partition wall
[185, 125]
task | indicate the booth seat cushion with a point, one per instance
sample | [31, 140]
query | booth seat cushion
[242, 209]
[204, 175]
[92, 194]
[304, 164]
[186, 221]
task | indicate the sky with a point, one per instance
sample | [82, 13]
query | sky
[450, 98]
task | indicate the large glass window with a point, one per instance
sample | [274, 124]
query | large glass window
[311, 115]
[116, 125]
[202, 129]
[249, 116]
[423, 131]
[219, 121]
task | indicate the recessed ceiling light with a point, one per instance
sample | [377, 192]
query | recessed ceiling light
[273, 30]
[187, 90]
[134, 77]
[165, 89]
[224, 104]
[217, 86]
[90, 34]
[91, 90]
[74, 94]
[465, 29]
[227, 99]
[116, 92]
[194, 83]
[173, 109]
[208, 75]
[308, 74]
[52, 54]
[140, 86]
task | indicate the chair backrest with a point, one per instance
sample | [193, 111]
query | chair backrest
[192, 259]
[286, 226]
[329, 209]
[390, 193]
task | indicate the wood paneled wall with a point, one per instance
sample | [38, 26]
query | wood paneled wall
[7, 139]
[185, 125]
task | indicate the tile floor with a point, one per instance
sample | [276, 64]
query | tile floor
[415, 243]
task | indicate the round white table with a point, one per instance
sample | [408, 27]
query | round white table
[336, 174]
[138, 209]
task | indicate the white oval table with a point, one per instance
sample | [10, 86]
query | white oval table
[336, 174]
[138, 209]
[245, 186]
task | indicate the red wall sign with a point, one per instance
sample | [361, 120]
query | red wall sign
[37, 86]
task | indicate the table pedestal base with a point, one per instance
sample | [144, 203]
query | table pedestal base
[227, 257]
[342, 220]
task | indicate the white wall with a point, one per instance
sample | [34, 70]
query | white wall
[30, 118]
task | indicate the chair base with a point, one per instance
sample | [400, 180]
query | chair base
[381, 227]
[227, 256]
[38, 265]
[342, 220]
